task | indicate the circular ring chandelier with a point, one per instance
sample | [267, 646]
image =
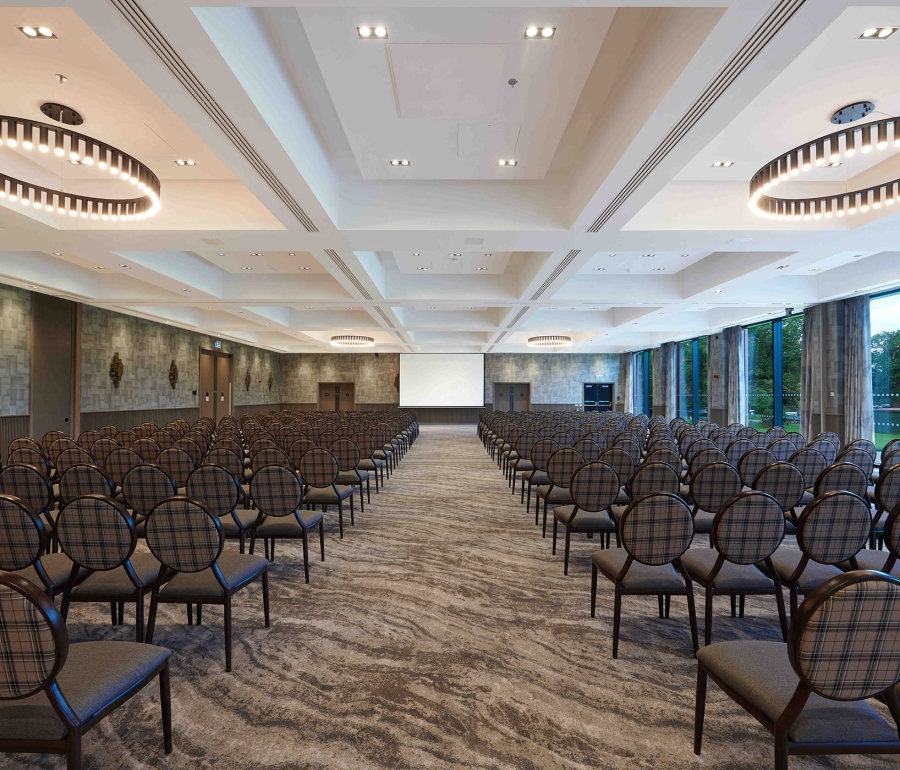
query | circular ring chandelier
[826, 151]
[352, 341]
[549, 341]
[81, 150]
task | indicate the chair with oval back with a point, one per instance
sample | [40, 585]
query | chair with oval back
[163, 439]
[177, 464]
[101, 448]
[319, 470]
[125, 438]
[540, 455]
[348, 456]
[784, 482]
[827, 449]
[73, 456]
[711, 487]
[108, 431]
[26, 455]
[216, 487]
[752, 463]
[368, 462]
[144, 487]
[191, 447]
[34, 488]
[655, 531]
[87, 438]
[49, 437]
[119, 462]
[85, 479]
[561, 466]
[858, 457]
[842, 478]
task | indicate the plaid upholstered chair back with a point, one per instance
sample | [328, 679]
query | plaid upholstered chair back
[101, 449]
[589, 450]
[737, 449]
[843, 477]
[215, 487]
[163, 439]
[58, 447]
[365, 443]
[664, 455]
[271, 456]
[746, 432]
[660, 440]
[827, 449]
[722, 438]
[226, 459]
[96, 532]
[651, 477]
[563, 439]
[30, 456]
[49, 437]
[22, 535]
[119, 462]
[73, 456]
[705, 457]
[630, 446]
[697, 446]
[752, 463]
[191, 447]
[811, 463]
[141, 431]
[887, 490]
[84, 480]
[748, 528]
[125, 438]
[145, 486]
[259, 444]
[276, 490]
[184, 535]
[843, 642]
[892, 532]
[87, 438]
[108, 431]
[834, 527]
[782, 448]
[25, 443]
[776, 432]
[199, 437]
[177, 463]
[713, 484]
[327, 438]
[621, 461]
[346, 453]
[863, 443]
[231, 444]
[832, 438]
[299, 448]
[656, 529]
[858, 457]
[562, 466]
[783, 481]
[33, 638]
[29, 484]
[761, 440]
[541, 452]
[598, 438]
[318, 468]
[594, 486]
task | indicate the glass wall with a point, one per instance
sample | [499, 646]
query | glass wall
[885, 320]
[773, 373]
[643, 382]
[692, 383]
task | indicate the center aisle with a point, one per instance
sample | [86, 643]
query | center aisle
[439, 633]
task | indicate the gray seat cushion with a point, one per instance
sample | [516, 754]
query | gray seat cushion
[732, 577]
[235, 567]
[522, 465]
[288, 526]
[785, 561]
[370, 465]
[640, 577]
[874, 560]
[350, 478]
[555, 495]
[703, 521]
[115, 582]
[319, 495]
[94, 674]
[58, 567]
[761, 674]
[247, 519]
[585, 521]
[536, 477]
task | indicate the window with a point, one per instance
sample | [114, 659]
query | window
[773, 373]
[885, 320]
[692, 368]
[643, 382]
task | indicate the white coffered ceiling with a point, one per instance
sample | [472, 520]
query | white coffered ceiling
[613, 227]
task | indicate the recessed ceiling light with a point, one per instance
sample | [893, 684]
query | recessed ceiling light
[209, 307]
[57, 253]
[877, 33]
[99, 267]
[304, 268]
[599, 269]
[246, 268]
[648, 255]
[221, 253]
[782, 267]
[240, 312]
[127, 267]
[421, 268]
[685, 255]
[831, 164]
[431, 307]
[455, 254]
[309, 307]
[75, 162]
[255, 253]
[719, 291]
[185, 163]
[658, 269]
[396, 162]
[348, 308]
[509, 162]
[415, 253]
[481, 268]
[37, 33]
[723, 163]
[31, 286]
[367, 32]
[539, 33]
[291, 254]
[815, 269]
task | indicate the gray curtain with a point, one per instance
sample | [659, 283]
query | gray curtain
[859, 416]
[637, 383]
[626, 363]
[659, 379]
[670, 385]
[735, 375]
[811, 372]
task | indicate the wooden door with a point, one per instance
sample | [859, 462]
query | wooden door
[207, 384]
[327, 398]
[346, 397]
[223, 387]
[501, 397]
[521, 396]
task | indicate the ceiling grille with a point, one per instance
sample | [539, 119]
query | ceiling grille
[342, 266]
[556, 273]
[384, 316]
[517, 317]
[778, 15]
[153, 36]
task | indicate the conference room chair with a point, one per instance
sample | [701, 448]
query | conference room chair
[108, 431]
[737, 449]
[522, 461]
[278, 494]
[752, 463]
[143, 487]
[785, 483]
[23, 547]
[560, 468]
[832, 529]
[885, 496]
[72, 456]
[711, 487]
[186, 537]
[655, 531]
[882, 560]
[87, 438]
[53, 692]
[826, 447]
[119, 462]
[347, 455]
[594, 487]
[746, 531]
[319, 471]
[49, 437]
[624, 465]
[98, 535]
[368, 462]
[219, 491]
[33, 487]
[84, 480]
[24, 442]
[101, 450]
[843, 477]
[782, 448]
[192, 448]
[163, 439]
[811, 692]
[540, 456]
[177, 464]
[858, 457]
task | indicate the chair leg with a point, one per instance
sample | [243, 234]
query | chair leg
[369, 490]
[265, 586]
[593, 590]
[781, 750]
[165, 699]
[73, 749]
[305, 557]
[351, 510]
[662, 606]
[707, 630]
[341, 518]
[544, 531]
[190, 614]
[151, 620]
[322, 538]
[741, 603]
[782, 617]
[700, 709]
[228, 632]
[568, 541]
[617, 622]
[692, 615]
[139, 616]
[199, 614]
[555, 521]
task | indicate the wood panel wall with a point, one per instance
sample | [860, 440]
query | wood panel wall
[13, 426]
[131, 417]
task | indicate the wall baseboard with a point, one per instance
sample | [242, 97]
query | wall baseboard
[131, 417]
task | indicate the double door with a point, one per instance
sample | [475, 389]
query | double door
[216, 390]
[598, 396]
[337, 397]
[512, 397]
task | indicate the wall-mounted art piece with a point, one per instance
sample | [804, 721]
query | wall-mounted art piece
[247, 380]
[173, 374]
[271, 380]
[116, 370]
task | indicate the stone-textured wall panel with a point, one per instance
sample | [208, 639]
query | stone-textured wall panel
[556, 378]
[374, 376]
[15, 350]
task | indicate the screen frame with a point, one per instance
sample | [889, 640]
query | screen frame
[482, 405]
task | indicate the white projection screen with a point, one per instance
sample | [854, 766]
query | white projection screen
[441, 379]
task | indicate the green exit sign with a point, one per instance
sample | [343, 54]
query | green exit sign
[599, 377]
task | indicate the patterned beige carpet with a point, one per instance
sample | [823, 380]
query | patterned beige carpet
[440, 633]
